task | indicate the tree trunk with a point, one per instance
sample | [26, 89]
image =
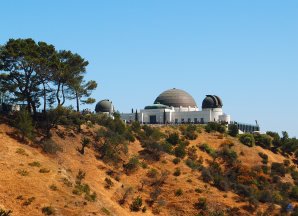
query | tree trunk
[78, 102]
[57, 94]
[44, 99]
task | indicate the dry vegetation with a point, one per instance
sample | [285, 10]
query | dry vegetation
[116, 170]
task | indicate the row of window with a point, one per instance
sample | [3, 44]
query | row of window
[189, 120]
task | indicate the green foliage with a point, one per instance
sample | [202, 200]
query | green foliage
[276, 138]
[35, 164]
[176, 160]
[81, 188]
[278, 169]
[264, 157]
[132, 165]
[50, 146]
[263, 140]
[152, 173]
[206, 148]
[201, 204]
[180, 150]
[85, 142]
[173, 138]
[25, 124]
[136, 204]
[5, 213]
[247, 139]
[109, 183]
[190, 132]
[179, 192]
[177, 172]
[48, 210]
[233, 130]
[294, 193]
[193, 164]
[215, 127]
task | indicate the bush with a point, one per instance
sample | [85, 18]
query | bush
[194, 165]
[206, 148]
[294, 193]
[264, 157]
[50, 146]
[5, 213]
[136, 204]
[247, 139]
[177, 172]
[132, 165]
[190, 132]
[85, 142]
[173, 138]
[233, 130]
[180, 150]
[278, 169]
[263, 140]
[109, 183]
[176, 160]
[179, 192]
[201, 204]
[215, 127]
[48, 210]
[206, 175]
[152, 173]
[25, 124]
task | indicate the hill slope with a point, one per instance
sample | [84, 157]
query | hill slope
[31, 180]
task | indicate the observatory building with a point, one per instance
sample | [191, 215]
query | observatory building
[176, 106]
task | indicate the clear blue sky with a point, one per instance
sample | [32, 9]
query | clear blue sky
[244, 51]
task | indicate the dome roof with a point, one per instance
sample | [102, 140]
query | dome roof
[175, 98]
[104, 106]
[212, 101]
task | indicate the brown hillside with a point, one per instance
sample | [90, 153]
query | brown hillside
[20, 181]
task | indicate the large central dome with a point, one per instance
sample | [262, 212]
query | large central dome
[176, 98]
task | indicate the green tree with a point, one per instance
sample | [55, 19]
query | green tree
[24, 124]
[233, 130]
[18, 60]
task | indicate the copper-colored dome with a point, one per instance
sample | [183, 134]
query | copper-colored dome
[175, 98]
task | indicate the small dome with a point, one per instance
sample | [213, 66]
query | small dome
[104, 106]
[212, 101]
[175, 98]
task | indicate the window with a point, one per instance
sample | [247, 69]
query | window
[189, 120]
[196, 120]
[182, 120]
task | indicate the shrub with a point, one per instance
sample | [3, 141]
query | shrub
[177, 172]
[206, 148]
[35, 164]
[44, 170]
[49, 146]
[233, 130]
[29, 201]
[180, 150]
[206, 175]
[136, 204]
[179, 192]
[278, 169]
[194, 165]
[85, 142]
[263, 140]
[214, 126]
[109, 183]
[176, 160]
[173, 138]
[53, 187]
[48, 210]
[190, 132]
[264, 157]
[294, 193]
[192, 153]
[132, 164]
[25, 124]
[23, 172]
[152, 173]
[201, 204]
[5, 213]
[247, 139]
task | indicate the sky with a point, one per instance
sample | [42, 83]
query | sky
[245, 51]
